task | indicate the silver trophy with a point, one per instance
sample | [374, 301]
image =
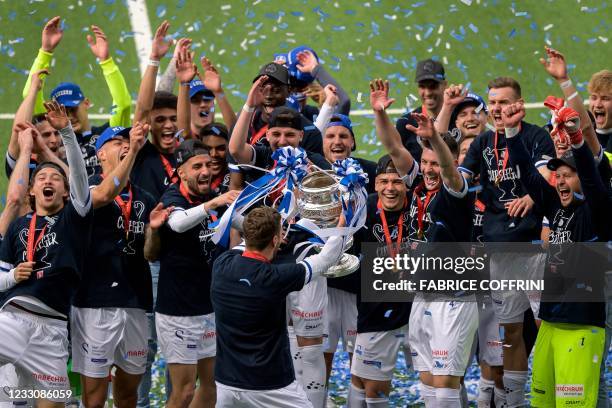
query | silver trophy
[319, 200]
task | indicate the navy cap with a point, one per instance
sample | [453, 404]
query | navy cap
[385, 165]
[275, 71]
[196, 86]
[68, 94]
[567, 159]
[188, 149]
[429, 69]
[292, 62]
[339, 119]
[110, 133]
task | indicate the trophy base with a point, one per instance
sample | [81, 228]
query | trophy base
[348, 264]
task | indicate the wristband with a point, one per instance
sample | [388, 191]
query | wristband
[566, 84]
[247, 108]
[511, 132]
[185, 84]
[153, 63]
[572, 96]
[220, 95]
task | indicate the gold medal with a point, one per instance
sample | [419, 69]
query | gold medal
[420, 233]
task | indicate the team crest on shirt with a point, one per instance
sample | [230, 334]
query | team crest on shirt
[509, 175]
[136, 227]
[41, 251]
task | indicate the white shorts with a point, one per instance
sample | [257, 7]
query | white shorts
[306, 308]
[37, 347]
[291, 396]
[103, 337]
[490, 350]
[341, 315]
[376, 354]
[441, 334]
[510, 306]
[186, 339]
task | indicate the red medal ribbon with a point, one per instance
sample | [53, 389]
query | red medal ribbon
[32, 241]
[392, 249]
[126, 210]
[258, 135]
[215, 183]
[168, 168]
[185, 193]
[480, 205]
[422, 206]
[255, 255]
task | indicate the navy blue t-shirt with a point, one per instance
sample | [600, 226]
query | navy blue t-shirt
[185, 263]
[59, 255]
[116, 272]
[248, 297]
[485, 158]
[381, 316]
[149, 172]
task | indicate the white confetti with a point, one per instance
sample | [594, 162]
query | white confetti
[319, 28]
[603, 39]
[441, 29]
[548, 27]
[445, 60]
[222, 51]
[359, 95]
[226, 7]
[417, 36]
[447, 46]
[467, 2]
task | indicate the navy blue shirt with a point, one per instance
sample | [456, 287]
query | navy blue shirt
[486, 158]
[585, 220]
[59, 256]
[116, 272]
[149, 172]
[185, 263]
[248, 296]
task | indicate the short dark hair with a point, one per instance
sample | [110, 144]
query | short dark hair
[260, 226]
[450, 141]
[41, 117]
[505, 82]
[214, 129]
[164, 99]
[37, 170]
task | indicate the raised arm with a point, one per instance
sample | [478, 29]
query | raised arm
[556, 67]
[185, 72]
[308, 63]
[166, 82]
[386, 132]
[51, 36]
[146, 93]
[25, 112]
[158, 217]
[18, 183]
[328, 108]
[104, 193]
[239, 148]
[212, 81]
[453, 95]
[122, 101]
[79, 188]
[448, 170]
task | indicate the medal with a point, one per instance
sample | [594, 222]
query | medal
[392, 249]
[126, 211]
[422, 207]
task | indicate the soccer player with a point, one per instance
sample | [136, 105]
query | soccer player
[115, 291]
[578, 207]
[183, 313]
[248, 292]
[431, 81]
[600, 105]
[215, 139]
[71, 96]
[43, 253]
[509, 217]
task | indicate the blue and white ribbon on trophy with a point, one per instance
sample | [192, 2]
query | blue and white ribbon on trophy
[352, 183]
[291, 167]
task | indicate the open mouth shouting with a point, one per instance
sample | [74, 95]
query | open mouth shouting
[431, 181]
[48, 193]
[565, 194]
[601, 117]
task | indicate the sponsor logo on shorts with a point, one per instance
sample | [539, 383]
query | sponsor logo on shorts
[99, 360]
[307, 315]
[569, 390]
[192, 346]
[414, 353]
[438, 364]
[377, 364]
[55, 379]
[499, 302]
[439, 353]
[137, 353]
[209, 335]
[179, 333]
[85, 347]
[312, 327]
[351, 332]
[358, 350]
[427, 313]
[492, 343]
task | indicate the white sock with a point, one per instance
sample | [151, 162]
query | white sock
[429, 395]
[313, 374]
[295, 354]
[485, 392]
[500, 398]
[356, 397]
[448, 398]
[377, 402]
[514, 384]
[465, 403]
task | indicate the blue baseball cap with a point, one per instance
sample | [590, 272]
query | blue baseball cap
[196, 86]
[339, 119]
[292, 62]
[472, 99]
[110, 133]
[68, 94]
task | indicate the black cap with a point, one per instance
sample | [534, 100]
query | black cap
[567, 159]
[429, 70]
[214, 129]
[275, 71]
[283, 116]
[188, 149]
[385, 165]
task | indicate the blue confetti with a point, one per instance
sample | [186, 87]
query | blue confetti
[161, 11]
[388, 313]
[116, 181]
[92, 9]
[512, 33]
[473, 27]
